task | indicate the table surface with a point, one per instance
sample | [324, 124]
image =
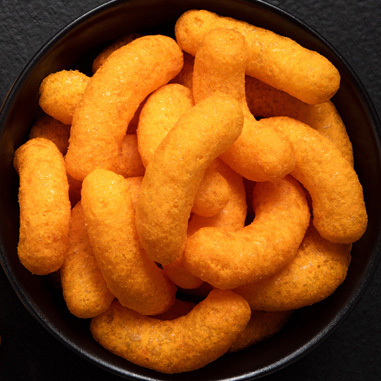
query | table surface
[352, 352]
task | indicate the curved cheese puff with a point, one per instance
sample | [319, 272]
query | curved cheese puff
[228, 259]
[44, 206]
[130, 275]
[314, 274]
[185, 76]
[106, 52]
[130, 162]
[61, 92]
[266, 101]
[51, 129]
[174, 346]
[160, 113]
[274, 59]
[338, 206]
[174, 174]
[262, 325]
[259, 154]
[231, 217]
[84, 289]
[111, 98]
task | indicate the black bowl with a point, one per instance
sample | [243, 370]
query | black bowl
[74, 48]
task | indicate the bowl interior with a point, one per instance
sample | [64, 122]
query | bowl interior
[74, 48]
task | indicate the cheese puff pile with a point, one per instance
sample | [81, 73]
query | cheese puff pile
[192, 193]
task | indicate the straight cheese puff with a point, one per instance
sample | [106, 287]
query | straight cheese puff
[314, 274]
[338, 207]
[130, 275]
[84, 289]
[259, 154]
[44, 206]
[112, 96]
[174, 346]
[228, 259]
[276, 60]
[174, 174]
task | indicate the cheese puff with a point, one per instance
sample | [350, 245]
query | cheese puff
[84, 289]
[231, 217]
[261, 326]
[277, 60]
[266, 101]
[106, 52]
[259, 154]
[130, 275]
[174, 346]
[111, 98]
[61, 92]
[185, 76]
[179, 308]
[227, 259]
[160, 113]
[314, 274]
[175, 172]
[338, 207]
[51, 129]
[44, 206]
[130, 162]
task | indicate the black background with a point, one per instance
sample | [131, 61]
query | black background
[352, 352]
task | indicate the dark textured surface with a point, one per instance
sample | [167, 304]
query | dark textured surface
[352, 352]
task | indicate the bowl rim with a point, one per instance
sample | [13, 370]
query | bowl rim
[294, 356]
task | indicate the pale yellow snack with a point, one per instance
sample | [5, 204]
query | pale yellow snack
[228, 259]
[277, 60]
[83, 287]
[174, 346]
[111, 98]
[174, 173]
[266, 101]
[259, 154]
[130, 162]
[44, 206]
[130, 275]
[314, 274]
[338, 207]
[61, 93]
[52, 129]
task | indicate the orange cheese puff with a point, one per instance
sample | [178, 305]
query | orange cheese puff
[61, 92]
[338, 206]
[44, 206]
[160, 113]
[174, 346]
[111, 98]
[266, 101]
[175, 172]
[179, 308]
[106, 52]
[130, 162]
[185, 76]
[279, 61]
[134, 279]
[51, 129]
[231, 217]
[227, 259]
[213, 193]
[84, 289]
[259, 154]
[261, 326]
[314, 274]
